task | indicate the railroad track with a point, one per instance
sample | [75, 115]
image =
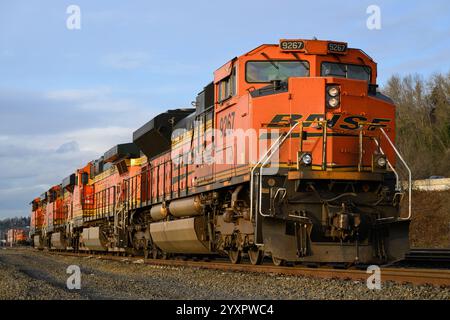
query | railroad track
[428, 255]
[436, 277]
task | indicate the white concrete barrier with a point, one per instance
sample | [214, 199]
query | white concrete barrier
[432, 184]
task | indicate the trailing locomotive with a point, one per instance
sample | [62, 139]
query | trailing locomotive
[287, 153]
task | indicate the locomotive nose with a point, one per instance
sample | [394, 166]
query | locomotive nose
[355, 113]
[349, 110]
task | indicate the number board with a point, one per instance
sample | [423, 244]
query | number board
[292, 45]
[337, 47]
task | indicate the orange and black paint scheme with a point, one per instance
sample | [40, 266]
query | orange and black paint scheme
[332, 194]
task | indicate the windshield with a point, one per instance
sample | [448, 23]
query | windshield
[349, 71]
[267, 71]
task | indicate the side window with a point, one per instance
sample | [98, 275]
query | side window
[227, 86]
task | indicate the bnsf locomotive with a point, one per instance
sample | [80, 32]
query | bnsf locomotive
[288, 153]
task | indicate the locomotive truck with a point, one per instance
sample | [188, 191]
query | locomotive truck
[288, 153]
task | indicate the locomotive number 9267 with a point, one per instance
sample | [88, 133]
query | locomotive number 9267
[336, 47]
[292, 45]
[226, 123]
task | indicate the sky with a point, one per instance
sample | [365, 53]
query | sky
[68, 95]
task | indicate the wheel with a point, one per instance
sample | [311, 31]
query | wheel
[255, 255]
[235, 256]
[278, 262]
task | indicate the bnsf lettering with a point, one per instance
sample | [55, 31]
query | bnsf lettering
[333, 120]
[378, 121]
[353, 122]
[313, 117]
[284, 120]
[349, 123]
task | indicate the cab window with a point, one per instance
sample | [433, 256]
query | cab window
[268, 71]
[350, 71]
[227, 86]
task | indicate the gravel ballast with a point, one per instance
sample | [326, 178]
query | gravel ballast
[29, 274]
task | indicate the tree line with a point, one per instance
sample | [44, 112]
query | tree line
[423, 122]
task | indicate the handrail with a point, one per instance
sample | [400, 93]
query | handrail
[397, 178]
[252, 173]
[360, 150]
[277, 146]
[324, 124]
[409, 173]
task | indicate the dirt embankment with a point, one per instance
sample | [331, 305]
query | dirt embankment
[430, 226]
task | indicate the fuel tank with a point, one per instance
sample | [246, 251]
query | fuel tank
[38, 244]
[186, 207]
[159, 212]
[93, 239]
[181, 236]
[58, 241]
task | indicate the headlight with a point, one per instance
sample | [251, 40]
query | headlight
[306, 159]
[333, 91]
[381, 162]
[333, 96]
[333, 102]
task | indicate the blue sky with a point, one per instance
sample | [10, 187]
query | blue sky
[66, 96]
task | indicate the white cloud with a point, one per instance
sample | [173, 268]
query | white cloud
[44, 137]
[97, 140]
[151, 64]
[71, 146]
[98, 99]
[33, 163]
[108, 105]
[100, 140]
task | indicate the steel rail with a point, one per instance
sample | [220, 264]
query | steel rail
[436, 277]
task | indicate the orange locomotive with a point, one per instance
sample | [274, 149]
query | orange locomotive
[37, 221]
[288, 153]
[16, 237]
